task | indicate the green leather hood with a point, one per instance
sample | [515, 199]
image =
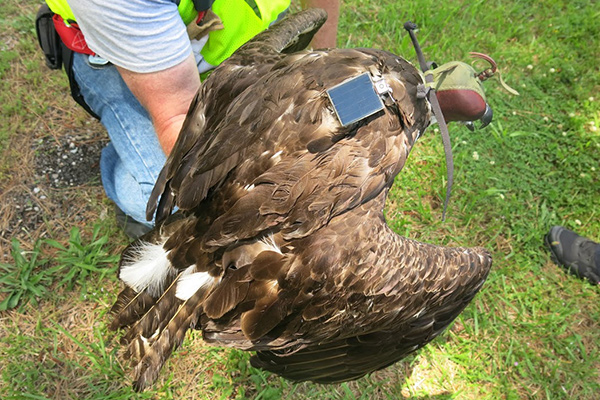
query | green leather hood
[456, 75]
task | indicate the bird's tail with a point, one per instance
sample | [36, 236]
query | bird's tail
[157, 307]
[154, 352]
[161, 329]
[130, 307]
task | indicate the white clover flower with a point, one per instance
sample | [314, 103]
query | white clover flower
[552, 70]
[475, 156]
[583, 174]
[546, 119]
[578, 222]
[593, 168]
[571, 114]
[591, 98]
[501, 196]
[492, 162]
[529, 67]
[564, 133]
[463, 142]
[514, 113]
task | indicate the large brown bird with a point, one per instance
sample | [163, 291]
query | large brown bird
[279, 244]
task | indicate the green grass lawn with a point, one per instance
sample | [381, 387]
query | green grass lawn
[532, 332]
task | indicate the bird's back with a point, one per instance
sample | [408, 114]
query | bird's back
[280, 244]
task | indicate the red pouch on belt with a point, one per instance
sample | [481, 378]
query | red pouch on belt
[71, 36]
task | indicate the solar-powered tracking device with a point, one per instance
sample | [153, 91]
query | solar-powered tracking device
[358, 98]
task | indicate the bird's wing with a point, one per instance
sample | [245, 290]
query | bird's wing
[379, 298]
[229, 80]
[282, 142]
[350, 299]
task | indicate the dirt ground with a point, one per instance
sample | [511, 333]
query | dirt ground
[53, 183]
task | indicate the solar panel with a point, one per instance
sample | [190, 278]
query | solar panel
[355, 99]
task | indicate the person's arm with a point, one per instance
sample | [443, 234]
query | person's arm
[326, 37]
[148, 43]
[166, 95]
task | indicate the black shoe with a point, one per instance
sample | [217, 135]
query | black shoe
[132, 228]
[580, 256]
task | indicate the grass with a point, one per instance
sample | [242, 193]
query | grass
[532, 332]
[24, 280]
[28, 278]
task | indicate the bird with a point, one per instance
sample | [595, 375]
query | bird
[278, 244]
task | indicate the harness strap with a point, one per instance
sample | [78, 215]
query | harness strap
[437, 111]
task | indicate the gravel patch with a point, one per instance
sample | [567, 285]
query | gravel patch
[72, 161]
[59, 193]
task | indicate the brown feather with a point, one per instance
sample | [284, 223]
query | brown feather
[169, 339]
[156, 317]
[229, 293]
[267, 265]
[129, 307]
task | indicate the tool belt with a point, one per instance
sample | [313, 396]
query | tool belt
[58, 54]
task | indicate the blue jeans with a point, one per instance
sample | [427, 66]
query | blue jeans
[131, 162]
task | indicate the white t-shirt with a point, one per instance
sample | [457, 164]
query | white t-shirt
[138, 35]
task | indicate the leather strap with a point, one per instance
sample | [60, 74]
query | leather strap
[437, 111]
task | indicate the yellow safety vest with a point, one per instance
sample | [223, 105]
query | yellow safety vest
[241, 23]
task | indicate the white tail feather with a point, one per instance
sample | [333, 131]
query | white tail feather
[190, 284]
[147, 269]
